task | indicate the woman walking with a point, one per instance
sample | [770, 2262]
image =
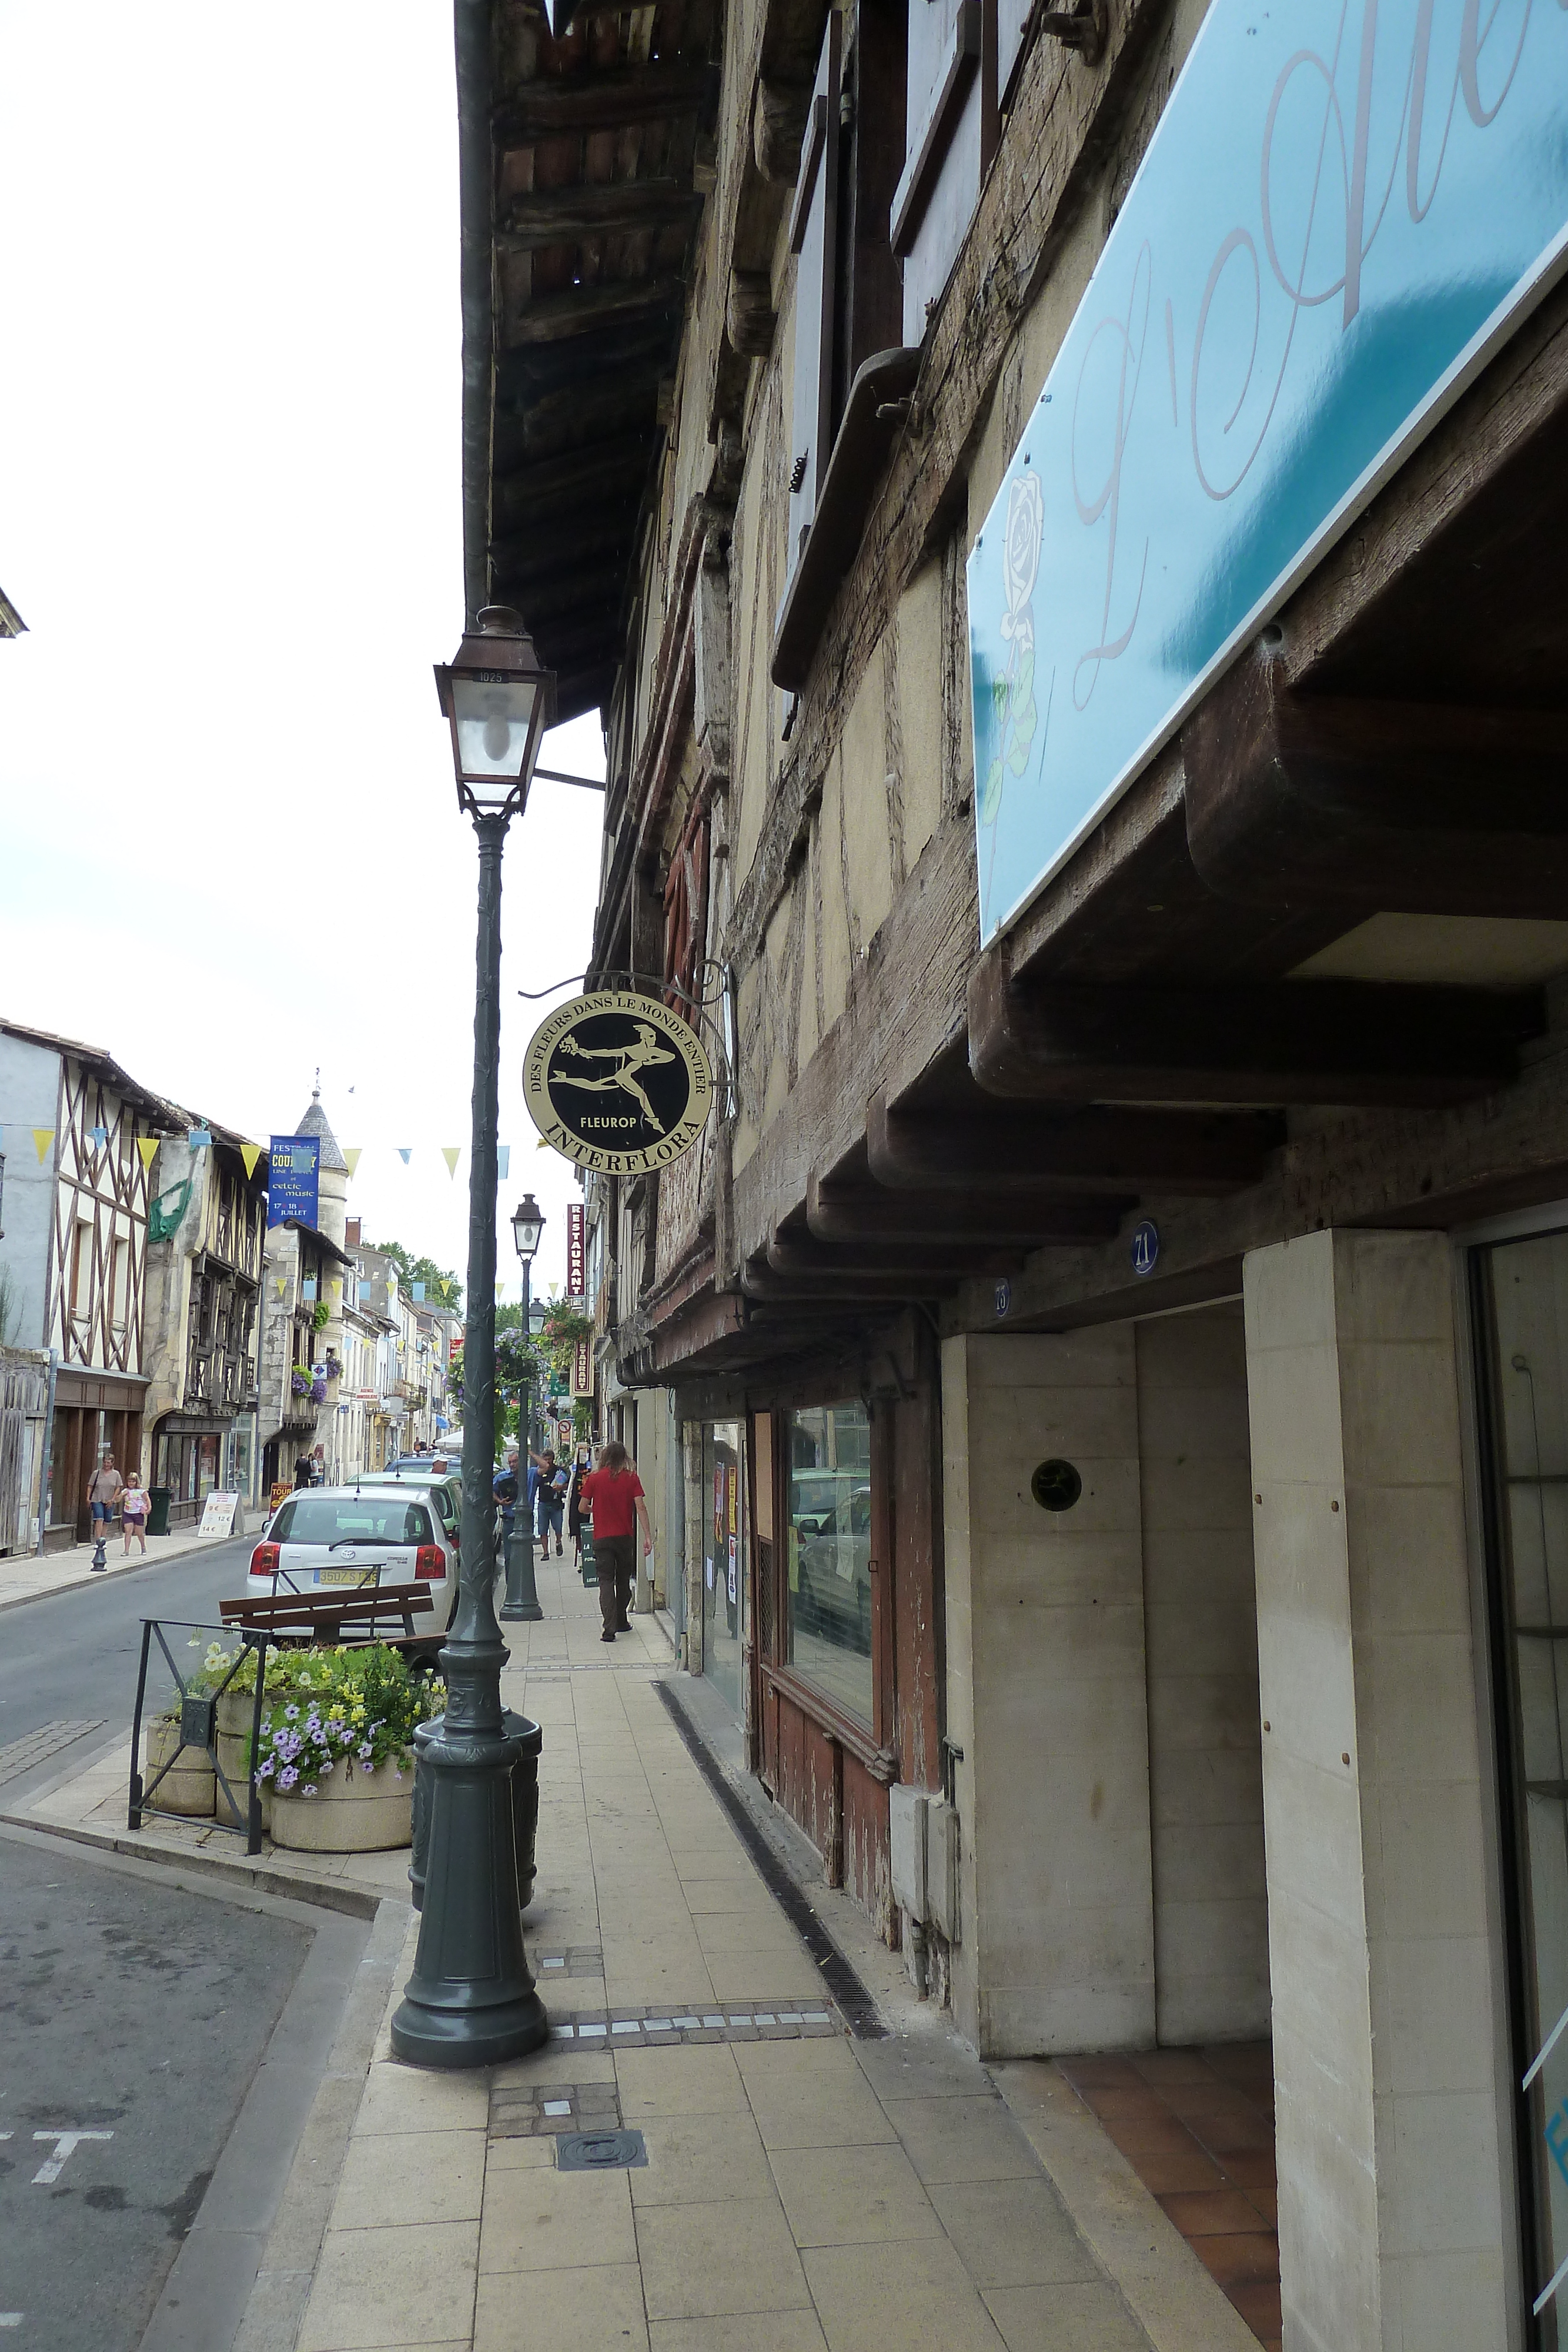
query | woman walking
[134, 1506]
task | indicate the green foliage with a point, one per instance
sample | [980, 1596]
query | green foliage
[424, 1269]
[318, 1316]
[354, 1708]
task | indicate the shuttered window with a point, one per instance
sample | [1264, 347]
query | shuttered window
[951, 117]
[814, 241]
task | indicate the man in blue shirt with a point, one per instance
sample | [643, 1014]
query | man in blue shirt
[506, 1489]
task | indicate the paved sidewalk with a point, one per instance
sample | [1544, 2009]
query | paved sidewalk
[26, 1577]
[801, 2191]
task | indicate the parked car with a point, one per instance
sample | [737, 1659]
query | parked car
[445, 1489]
[833, 1565]
[394, 1533]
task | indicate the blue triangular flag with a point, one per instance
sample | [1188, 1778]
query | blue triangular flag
[502, 1161]
[99, 1136]
[418, 1291]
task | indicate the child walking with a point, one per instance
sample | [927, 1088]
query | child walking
[134, 1506]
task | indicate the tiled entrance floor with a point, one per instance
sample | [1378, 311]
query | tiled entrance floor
[1198, 2128]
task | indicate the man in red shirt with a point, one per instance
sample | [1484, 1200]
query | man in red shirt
[613, 1495]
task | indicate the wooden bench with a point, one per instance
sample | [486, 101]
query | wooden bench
[329, 1621]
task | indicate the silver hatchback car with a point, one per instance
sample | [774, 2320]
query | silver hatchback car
[363, 1536]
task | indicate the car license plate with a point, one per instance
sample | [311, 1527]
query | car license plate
[345, 1576]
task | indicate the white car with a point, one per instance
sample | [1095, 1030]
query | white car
[360, 1536]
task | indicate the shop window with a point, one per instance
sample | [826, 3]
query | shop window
[685, 917]
[827, 1534]
[1523, 1310]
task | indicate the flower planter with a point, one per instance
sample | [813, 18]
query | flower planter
[358, 1813]
[191, 1787]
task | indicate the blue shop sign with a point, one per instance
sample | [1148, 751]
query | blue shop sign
[293, 1179]
[1346, 205]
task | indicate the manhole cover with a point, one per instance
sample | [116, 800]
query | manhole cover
[599, 2151]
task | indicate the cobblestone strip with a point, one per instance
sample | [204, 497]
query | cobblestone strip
[541, 2110]
[639, 2028]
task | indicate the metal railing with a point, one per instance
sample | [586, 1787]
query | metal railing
[198, 1728]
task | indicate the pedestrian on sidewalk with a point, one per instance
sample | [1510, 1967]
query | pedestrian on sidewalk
[104, 1490]
[549, 1488]
[613, 1494]
[506, 1487]
[574, 1505]
[134, 1506]
[302, 1471]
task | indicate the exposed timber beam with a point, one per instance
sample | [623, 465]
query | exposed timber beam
[1116, 1150]
[1381, 807]
[1309, 1041]
[546, 216]
[798, 1256]
[859, 1213]
[759, 1280]
[578, 310]
[603, 101]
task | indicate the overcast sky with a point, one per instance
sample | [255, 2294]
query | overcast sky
[230, 515]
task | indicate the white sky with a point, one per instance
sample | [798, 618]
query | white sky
[230, 515]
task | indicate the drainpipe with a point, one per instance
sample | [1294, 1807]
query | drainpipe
[475, 175]
[46, 1483]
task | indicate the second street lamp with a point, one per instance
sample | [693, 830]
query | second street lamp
[522, 1603]
[471, 2000]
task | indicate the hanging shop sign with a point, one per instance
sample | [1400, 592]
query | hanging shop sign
[618, 1082]
[576, 1252]
[1277, 316]
[583, 1368]
[293, 1179]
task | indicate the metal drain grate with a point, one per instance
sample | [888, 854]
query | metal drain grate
[634, 2028]
[601, 2151]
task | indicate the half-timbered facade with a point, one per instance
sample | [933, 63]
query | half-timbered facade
[204, 1258]
[1102, 1375]
[74, 1245]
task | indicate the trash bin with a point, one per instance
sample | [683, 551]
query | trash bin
[159, 1499]
[525, 1803]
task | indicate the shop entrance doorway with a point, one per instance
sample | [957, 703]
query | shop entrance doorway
[724, 1578]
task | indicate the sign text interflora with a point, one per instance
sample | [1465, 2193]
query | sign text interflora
[1346, 205]
[618, 1082]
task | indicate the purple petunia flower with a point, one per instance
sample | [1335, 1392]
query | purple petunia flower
[288, 1777]
[308, 1790]
[291, 1713]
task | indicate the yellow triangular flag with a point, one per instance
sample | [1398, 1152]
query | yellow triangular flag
[445, 1288]
[250, 1153]
[452, 1153]
[351, 1154]
[282, 1282]
[42, 1138]
[337, 1290]
[147, 1147]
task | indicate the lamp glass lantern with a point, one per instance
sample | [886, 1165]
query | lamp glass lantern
[527, 1225]
[497, 701]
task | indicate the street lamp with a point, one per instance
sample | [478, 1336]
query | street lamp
[471, 2000]
[522, 1601]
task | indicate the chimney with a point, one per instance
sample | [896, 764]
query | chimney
[351, 1232]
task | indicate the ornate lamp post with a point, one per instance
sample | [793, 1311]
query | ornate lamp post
[471, 2000]
[522, 1601]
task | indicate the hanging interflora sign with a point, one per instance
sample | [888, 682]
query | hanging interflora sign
[618, 1082]
[1346, 206]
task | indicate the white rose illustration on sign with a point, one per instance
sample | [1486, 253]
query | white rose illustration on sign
[1013, 692]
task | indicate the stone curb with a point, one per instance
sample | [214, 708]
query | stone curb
[327, 1894]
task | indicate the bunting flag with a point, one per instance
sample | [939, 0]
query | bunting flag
[42, 1138]
[419, 1293]
[351, 1155]
[364, 1292]
[99, 1136]
[250, 1153]
[147, 1147]
[502, 1161]
[452, 1153]
[337, 1290]
[200, 1139]
[307, 1291]
[280, 1284]
[445, 1288]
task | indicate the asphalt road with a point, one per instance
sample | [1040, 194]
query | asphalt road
[73, 1656]
[137, 2013]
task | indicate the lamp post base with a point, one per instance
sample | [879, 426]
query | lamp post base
[521, 1605]
[471, 2000]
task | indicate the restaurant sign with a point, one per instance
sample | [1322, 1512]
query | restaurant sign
[618, 1082]
[1345, 207]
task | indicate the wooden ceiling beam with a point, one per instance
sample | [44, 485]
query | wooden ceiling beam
[578, 309]
[1116, 1151]
[1375, 807]
[573, 215]
[859, 1213]
[759, 1280]
[951, 1260]
[603, 101]
[1305, 1041]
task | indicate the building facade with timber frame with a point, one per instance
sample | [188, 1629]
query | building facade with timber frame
[1104, 1372]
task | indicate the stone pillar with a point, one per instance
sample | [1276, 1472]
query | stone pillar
[1047, 1695]
[1392, 2227]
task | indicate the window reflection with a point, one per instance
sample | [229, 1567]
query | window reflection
[829, 1536]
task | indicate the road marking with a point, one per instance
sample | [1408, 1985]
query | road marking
[66, 2145]
[10, 2318]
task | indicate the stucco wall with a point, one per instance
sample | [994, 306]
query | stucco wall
[29, 1097]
